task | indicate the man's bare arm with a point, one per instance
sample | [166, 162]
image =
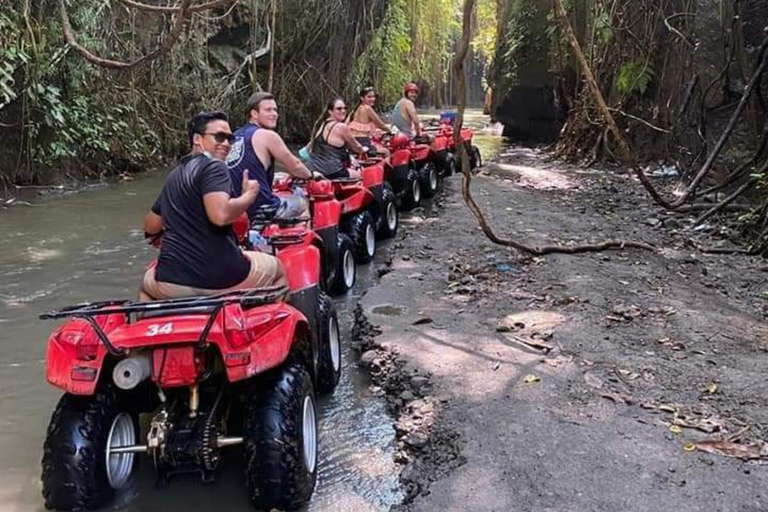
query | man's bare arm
[153, 224]
[288, 160]
[411, 109]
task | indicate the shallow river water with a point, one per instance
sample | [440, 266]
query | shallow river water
[89, 246]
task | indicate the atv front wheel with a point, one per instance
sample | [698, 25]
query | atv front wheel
[280, 429]
[79, 472]
[411, 190]
[346, 269]
[429, 178]
[329, 364]
[390, 217]
[363, 234]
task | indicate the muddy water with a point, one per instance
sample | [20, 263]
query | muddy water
[89, 246]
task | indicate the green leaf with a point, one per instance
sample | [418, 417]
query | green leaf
[634, 77]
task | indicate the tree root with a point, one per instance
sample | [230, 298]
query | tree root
[461, 80]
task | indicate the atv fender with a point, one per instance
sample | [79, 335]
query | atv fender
[400, 158]
[301, 266]
[357, 202]
[325, 214]
[373, 175]
[75, 356]
[260, 339]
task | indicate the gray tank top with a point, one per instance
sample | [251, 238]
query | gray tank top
[404, 125]
[327, 159]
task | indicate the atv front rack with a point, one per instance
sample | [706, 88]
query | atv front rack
[210, 305]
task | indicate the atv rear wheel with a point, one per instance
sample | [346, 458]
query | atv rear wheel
[475, 158]
[450, 165]
[429, 178]
[363, 234]
[390, 217]
[346, 268]
[280, 429]
[329, 364]
[411, 190]
[78, 470]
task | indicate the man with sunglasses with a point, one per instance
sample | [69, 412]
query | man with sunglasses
[194, 212]
[256, 148]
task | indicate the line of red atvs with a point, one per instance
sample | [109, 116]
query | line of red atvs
[180, 380]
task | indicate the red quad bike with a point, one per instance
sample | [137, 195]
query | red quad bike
[443, 147]
[403, 176]
[386, 215]
[425, 160]
[337, 248]
[240, 368]
[357, 203]
[443, 132]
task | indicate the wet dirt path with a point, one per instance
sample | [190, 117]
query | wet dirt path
[89, 246]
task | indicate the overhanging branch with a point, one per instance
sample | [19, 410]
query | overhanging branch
[181, 13]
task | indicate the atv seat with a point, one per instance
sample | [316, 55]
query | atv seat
[346, 181]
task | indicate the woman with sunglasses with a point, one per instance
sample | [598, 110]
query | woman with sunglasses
[363, 120]
[331, 143]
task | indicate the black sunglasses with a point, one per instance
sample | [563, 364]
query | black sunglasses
[221, 137]
[339, 108]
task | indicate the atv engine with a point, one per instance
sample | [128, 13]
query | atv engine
[184, 439]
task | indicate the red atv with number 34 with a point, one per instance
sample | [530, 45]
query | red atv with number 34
[240, 368]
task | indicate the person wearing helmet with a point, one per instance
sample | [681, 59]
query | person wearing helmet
[404, 116]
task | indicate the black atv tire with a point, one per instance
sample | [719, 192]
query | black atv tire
[450, 165]
[362, 231]
[429, 178]
[74, 454]
[390, 216]
[278, 473]
[411, 190]
[345, 274]
[475, 158]
[329, 359]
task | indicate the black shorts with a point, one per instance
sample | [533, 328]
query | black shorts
[367, 142]
[338, 175]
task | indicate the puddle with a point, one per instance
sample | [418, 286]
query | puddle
[388, 310]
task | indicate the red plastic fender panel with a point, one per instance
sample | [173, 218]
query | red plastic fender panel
[74, 355]
[301, 264]
[259, 339]
[401, 157]
[325, 213]
[373, 175]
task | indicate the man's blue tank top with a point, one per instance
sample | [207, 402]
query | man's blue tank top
[242, 157]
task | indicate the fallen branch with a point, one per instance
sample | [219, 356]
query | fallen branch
[725, 202]
[461, 80]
